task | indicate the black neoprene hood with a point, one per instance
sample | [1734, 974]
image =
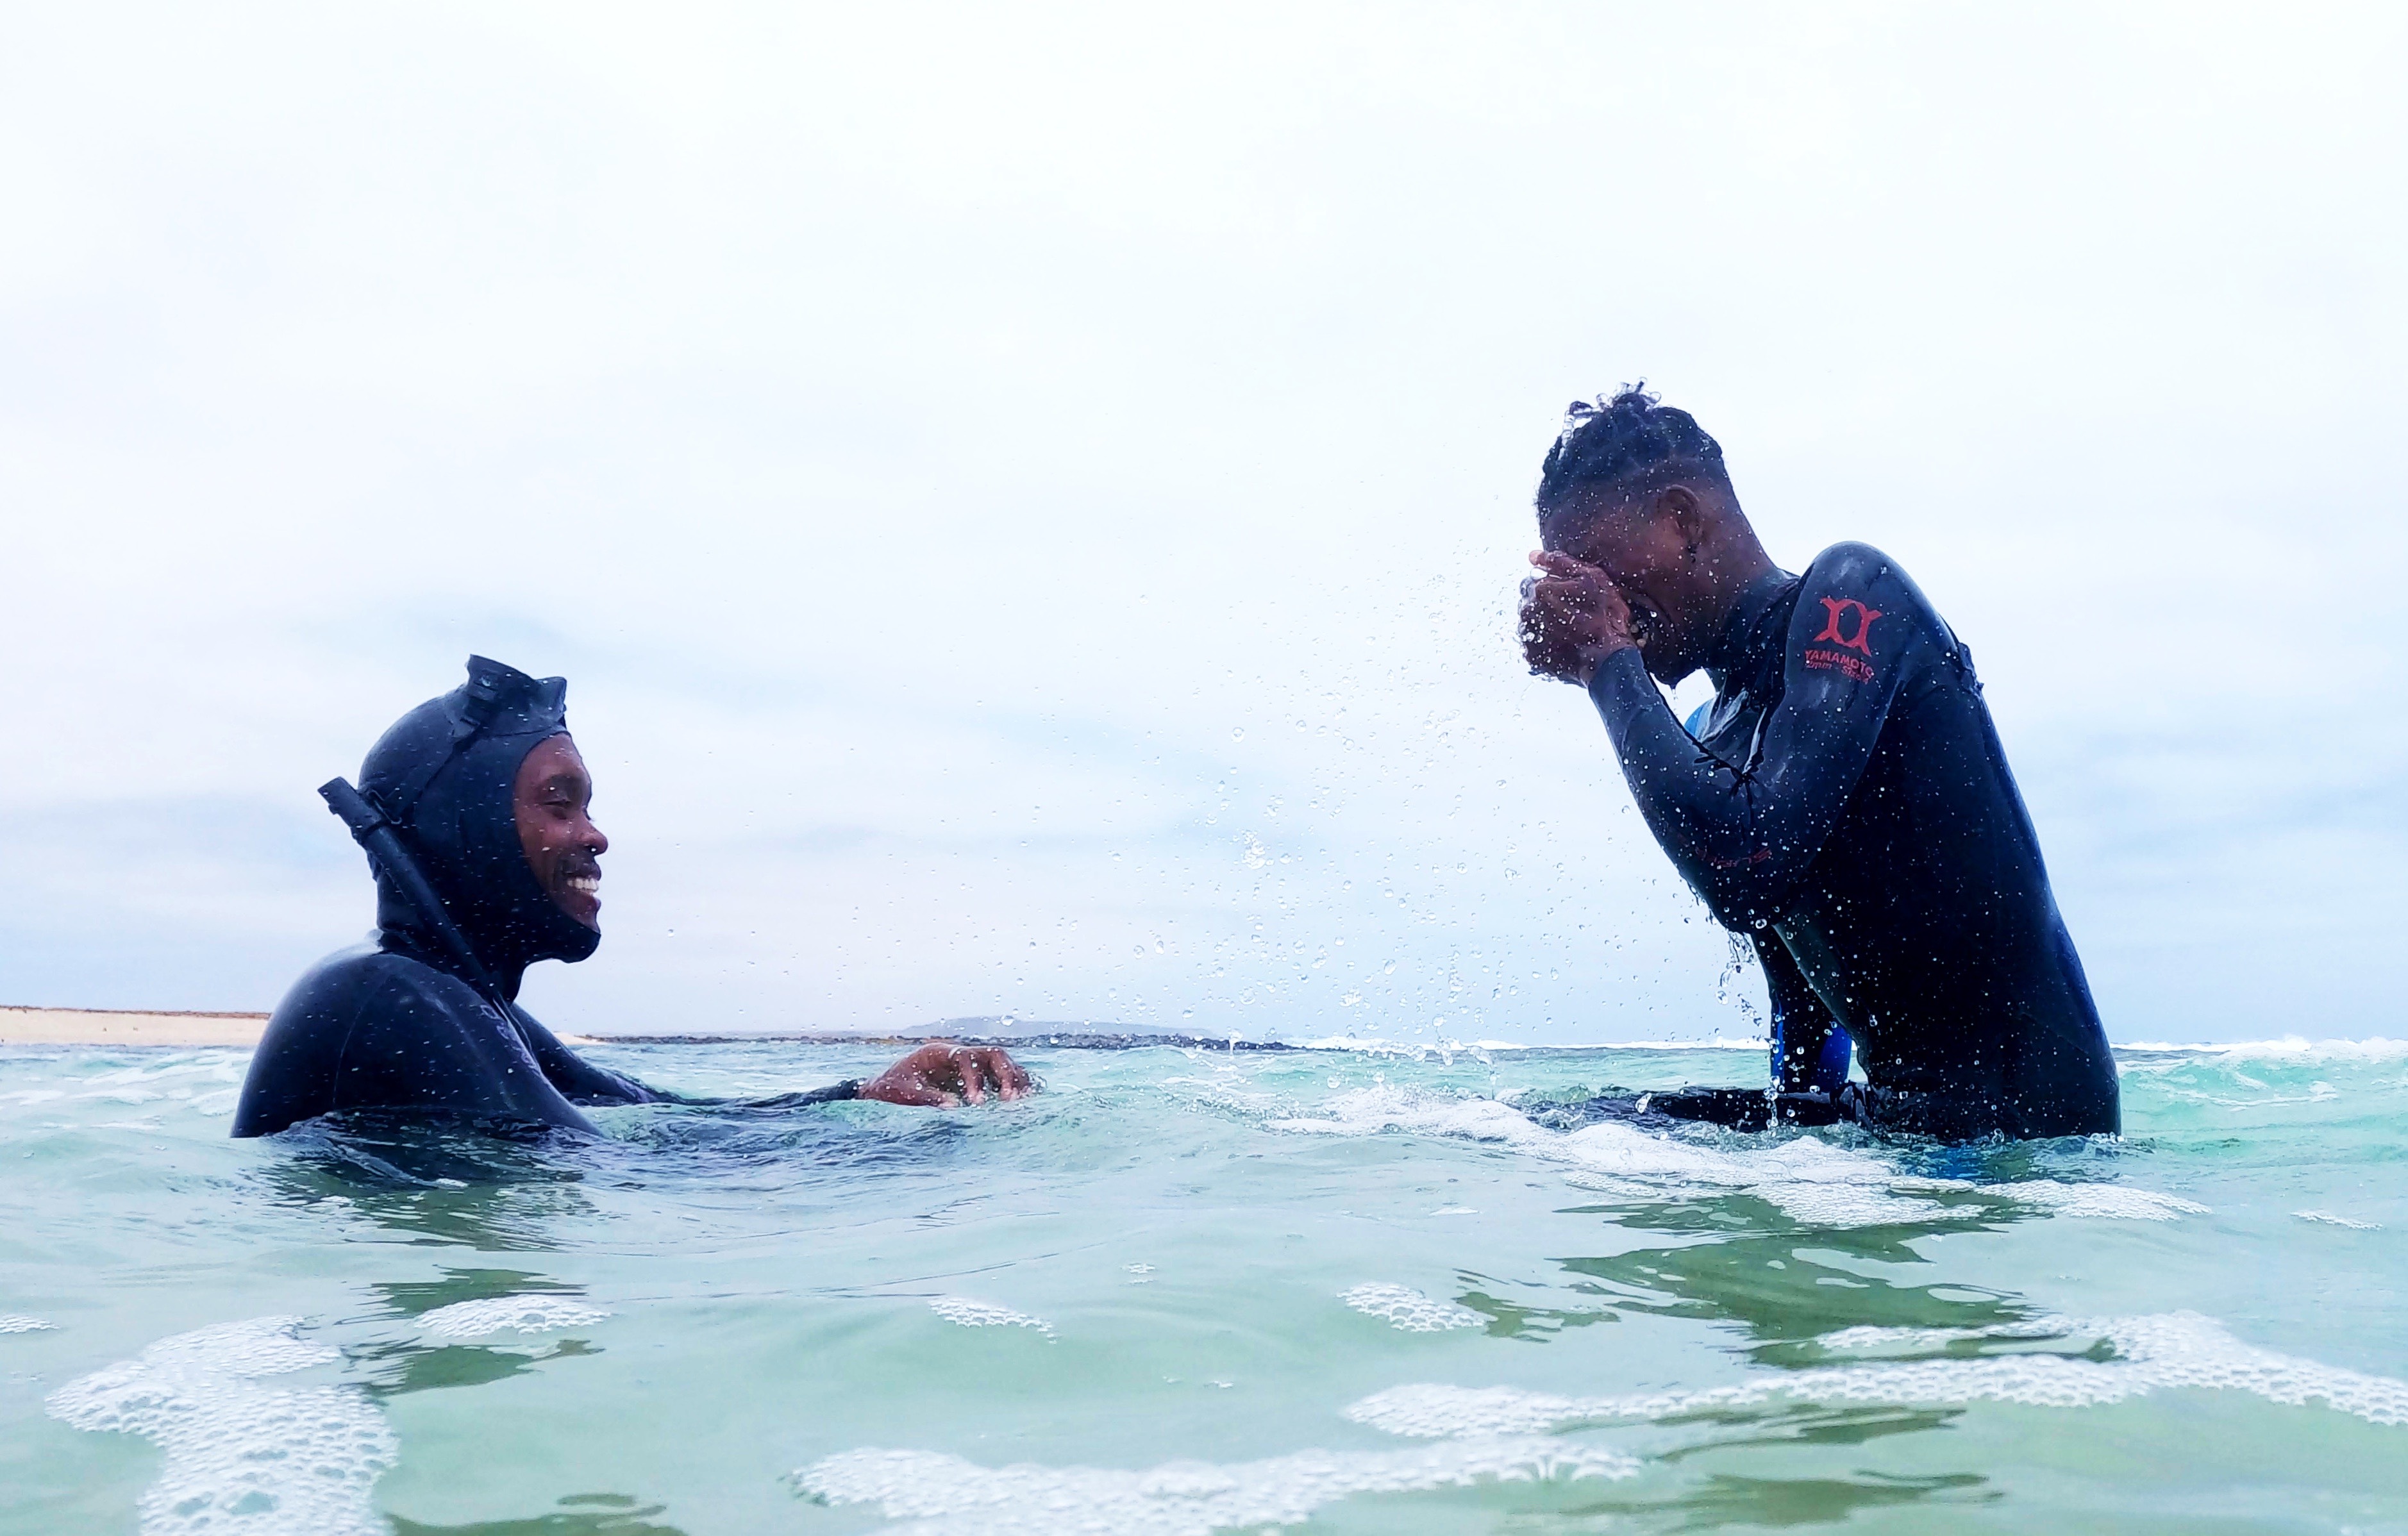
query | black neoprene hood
[444, 775]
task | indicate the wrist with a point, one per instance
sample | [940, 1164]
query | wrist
[1593, 658]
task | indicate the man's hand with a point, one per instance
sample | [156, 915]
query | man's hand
[1572, 618]
[946, 1075]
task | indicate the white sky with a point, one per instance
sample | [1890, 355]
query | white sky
[1029, 502]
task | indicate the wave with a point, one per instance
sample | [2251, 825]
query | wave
[2288, 1048]
[1812, 1181]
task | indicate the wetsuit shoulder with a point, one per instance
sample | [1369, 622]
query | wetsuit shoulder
[1743, 835]
[366, 1029]
[294, 1071]
[1855, 598]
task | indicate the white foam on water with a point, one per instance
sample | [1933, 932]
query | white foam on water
[1377, 1045]
[2324, 1216]
[12, 1323]
[241, 1457]
[986, 1315]
[2111, 1201]
[947, 1496]
[1367, 1112]
[1811, 1180]
[516, 1313]
[1408, 1310]
[2161, 1352]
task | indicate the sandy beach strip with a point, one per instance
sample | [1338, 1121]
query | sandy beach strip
[21, 1025]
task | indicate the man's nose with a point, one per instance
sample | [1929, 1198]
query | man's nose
[595, 841]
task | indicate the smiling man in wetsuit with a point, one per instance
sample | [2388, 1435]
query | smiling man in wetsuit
[485, 793]
[1845, 803]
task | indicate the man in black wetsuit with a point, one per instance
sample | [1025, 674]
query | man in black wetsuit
[488, 798]
[1845, 803]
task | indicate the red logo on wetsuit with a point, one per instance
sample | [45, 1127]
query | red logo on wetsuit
[1839, 610]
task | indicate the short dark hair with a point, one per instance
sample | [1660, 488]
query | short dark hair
[1625, 438]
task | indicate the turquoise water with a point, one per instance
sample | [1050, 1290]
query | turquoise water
[1195, 1291]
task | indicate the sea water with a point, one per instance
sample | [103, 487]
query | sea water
[1190, 1290]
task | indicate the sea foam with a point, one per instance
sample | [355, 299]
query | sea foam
[1409, 1310]
[241, 1457]
[1810, 1179]
[517, 1314]
[2329, 1219]
[947, 1496]
[986, 1315]
[2160, 1352]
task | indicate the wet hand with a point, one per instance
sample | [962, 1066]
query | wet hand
[946, 1076]
[1572, 618]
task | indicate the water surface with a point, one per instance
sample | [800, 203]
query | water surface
[1188, 1291]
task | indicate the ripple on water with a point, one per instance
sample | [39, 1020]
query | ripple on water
[948, 1496]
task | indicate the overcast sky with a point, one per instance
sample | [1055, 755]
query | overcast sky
[1028, 500]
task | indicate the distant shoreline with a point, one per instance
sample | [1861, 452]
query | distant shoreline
[24, 1026]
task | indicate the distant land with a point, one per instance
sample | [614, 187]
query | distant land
[988, 1030]
[121, 1027]
[29, 1026]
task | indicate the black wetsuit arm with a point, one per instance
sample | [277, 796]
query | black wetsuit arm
[581, 1081]
[849, 1088]
[1743, 837]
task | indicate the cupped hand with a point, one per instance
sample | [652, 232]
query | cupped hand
[1572, 618]
[946, 1076]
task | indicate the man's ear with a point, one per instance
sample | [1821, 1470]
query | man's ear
[1687, 513]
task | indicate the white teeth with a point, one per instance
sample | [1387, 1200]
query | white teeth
[587, 883]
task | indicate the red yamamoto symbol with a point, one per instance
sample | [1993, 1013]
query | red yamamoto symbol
[1865, 617]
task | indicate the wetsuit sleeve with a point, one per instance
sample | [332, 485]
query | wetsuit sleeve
[849, 1088]
[579, 1080]
[1744, 836]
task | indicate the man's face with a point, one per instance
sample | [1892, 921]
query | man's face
[1641, 544]
[562, 845]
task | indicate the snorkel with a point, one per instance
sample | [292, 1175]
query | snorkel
[386, 852]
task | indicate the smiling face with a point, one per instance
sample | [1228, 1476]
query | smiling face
[564, 847]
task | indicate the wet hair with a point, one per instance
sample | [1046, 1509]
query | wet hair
[1625, 440]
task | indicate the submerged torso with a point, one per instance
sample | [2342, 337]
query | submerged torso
[377, 1028]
